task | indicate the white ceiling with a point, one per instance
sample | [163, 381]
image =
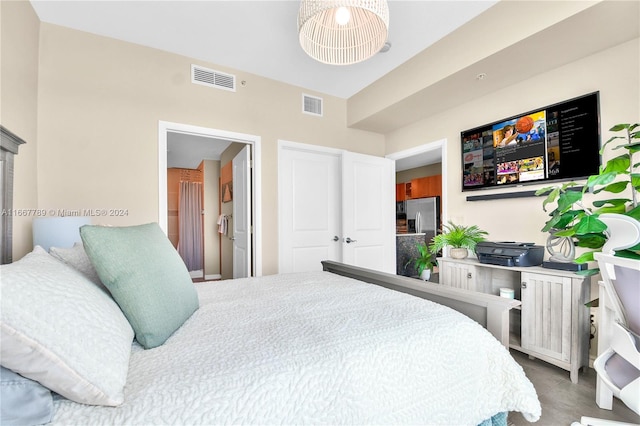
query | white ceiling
[258, 37]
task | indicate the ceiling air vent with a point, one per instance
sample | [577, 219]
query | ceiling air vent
[312, 105]
[213, 78]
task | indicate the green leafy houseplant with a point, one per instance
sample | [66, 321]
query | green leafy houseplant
[457, 236]
[424, 260]
[574, 219]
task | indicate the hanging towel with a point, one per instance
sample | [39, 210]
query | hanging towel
[222, 224]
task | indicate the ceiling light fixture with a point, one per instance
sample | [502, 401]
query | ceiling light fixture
[343, 32]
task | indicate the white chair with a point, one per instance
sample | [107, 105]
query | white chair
[618, 366]
[618, 361]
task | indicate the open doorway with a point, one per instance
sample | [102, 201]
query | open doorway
[223, 139]
[424, 155]
[421, 201]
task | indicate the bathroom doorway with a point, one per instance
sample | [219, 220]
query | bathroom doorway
[177, 140]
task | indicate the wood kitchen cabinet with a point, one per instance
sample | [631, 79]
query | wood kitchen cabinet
[401, 192]
[552, 324]
[429, 186]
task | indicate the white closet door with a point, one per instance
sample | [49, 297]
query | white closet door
[335, 205]
[309, 214]
[368, 213]
[309, 196]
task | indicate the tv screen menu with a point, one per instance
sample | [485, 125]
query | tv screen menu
[561, 141]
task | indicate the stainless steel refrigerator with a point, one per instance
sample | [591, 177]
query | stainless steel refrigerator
[423, 215]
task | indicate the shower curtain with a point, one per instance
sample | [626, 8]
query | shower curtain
[190, 243]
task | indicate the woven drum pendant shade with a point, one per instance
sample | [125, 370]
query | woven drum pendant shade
[360, 38]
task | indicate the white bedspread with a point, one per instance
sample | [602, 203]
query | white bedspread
[316, 348]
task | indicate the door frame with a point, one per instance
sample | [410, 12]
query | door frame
[439, 145]
[165, 127]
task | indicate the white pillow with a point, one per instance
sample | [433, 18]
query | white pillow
[61, 330]
[77, 258]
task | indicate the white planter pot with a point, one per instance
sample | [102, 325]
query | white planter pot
[425, 275]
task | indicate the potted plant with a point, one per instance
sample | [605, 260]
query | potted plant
[424, 262]
[459, 238]
[578, 223]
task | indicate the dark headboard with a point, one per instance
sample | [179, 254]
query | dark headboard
[9, 144]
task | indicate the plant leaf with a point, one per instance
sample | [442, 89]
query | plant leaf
[614, 188]
[612, 209]
[565, 233]
[565, 219]
[618, 164]
[593, 304]
[629, 254]
[567, 199]
[619, 127]
[550, 198]
[588, 272]
[594, 241]
[634, 213]
[601, 179]
[585, 257]
[613, 202]
[590, 225]
[545, 190]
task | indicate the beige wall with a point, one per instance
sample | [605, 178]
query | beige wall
[19, 107]
[100, 101]
[211, 213]
[522, 219]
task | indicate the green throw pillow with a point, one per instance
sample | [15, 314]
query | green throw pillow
[146, 277]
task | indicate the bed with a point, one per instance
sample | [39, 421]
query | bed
[302, 348]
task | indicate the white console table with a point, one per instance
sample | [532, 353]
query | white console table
[552, 324]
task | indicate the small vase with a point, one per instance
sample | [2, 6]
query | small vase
[458, 253]
[425, 274]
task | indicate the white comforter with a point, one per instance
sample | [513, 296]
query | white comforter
[316, 348]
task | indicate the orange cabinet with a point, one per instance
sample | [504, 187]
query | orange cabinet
[401, 192]
[429, 186]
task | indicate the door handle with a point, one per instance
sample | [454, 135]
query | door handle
[335, 238]
[349, 240]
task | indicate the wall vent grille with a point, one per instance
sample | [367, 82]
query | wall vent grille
[213, 78]
[312, 105]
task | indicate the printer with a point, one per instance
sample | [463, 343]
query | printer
[509, 253]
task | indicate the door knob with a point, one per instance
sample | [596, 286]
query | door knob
[349, 240]
[335, 238]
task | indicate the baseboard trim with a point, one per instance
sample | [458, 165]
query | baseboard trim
[196, 274]
[212, 277]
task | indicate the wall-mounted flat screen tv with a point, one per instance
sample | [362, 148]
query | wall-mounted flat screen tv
[557, 142]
